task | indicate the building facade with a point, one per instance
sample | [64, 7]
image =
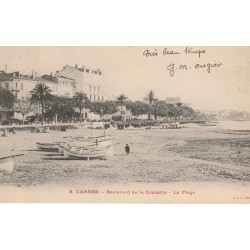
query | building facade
[21, 85]
[87, 80]
[60, 86]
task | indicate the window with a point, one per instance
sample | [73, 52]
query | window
[90, 88]
[102, 98]
[94, 89]
[94, 97]
[90, 97]
[87, 70]
[98, 98]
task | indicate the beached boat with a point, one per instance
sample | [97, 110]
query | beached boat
[101, 141]
[88, 153]
[47, 146]
[89, 143]
[7, 164]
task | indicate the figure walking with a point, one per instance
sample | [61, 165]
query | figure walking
[127, 149]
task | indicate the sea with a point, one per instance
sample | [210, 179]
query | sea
[234, 125]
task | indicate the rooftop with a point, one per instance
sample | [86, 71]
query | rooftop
[42, 79]
[84, 69]
[5, 77]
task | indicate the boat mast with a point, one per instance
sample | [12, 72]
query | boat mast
[91, 125]
[103, 123]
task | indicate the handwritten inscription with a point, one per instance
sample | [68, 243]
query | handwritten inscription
[208, 66]
[166, 52]
[188, 51]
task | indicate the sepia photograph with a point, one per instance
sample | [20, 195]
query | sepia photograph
[125, 124]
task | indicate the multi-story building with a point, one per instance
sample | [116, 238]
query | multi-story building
[65, 83]
[60, 86]
[21, 85]
[87, 80]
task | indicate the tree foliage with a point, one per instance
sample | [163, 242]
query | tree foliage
[150, 98]
[81, 101]
[7, 99]
[24, 106]
[137, 108]
[41, 94]
[121, 99]
[60, 107]
[107, 107]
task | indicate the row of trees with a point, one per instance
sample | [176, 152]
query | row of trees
[153, 106]
[42, 101]
[53, 107]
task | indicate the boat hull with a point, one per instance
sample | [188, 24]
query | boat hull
[88, 153]
[47, 146]
[86, 144]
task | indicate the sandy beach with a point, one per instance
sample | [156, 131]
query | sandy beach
[158, 156]
[194, 164]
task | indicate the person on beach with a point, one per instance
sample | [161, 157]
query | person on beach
[127, 149]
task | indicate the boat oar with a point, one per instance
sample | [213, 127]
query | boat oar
[17, 155]
[11, 156]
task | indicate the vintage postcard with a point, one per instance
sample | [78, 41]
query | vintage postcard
[125, 124]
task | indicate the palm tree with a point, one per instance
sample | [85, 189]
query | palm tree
[120, 99]
[81, 100]
[40, 94]
[150, 98]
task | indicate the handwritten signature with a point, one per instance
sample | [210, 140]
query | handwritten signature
[208, 66]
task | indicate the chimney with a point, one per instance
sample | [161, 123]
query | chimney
[76, 66]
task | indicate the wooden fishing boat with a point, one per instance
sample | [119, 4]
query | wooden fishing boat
[88, 153]
[86, 142]
[7, 164]
[47, 146]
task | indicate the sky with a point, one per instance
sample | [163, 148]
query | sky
[129, 71]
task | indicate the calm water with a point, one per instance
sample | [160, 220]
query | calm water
[234, 125]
